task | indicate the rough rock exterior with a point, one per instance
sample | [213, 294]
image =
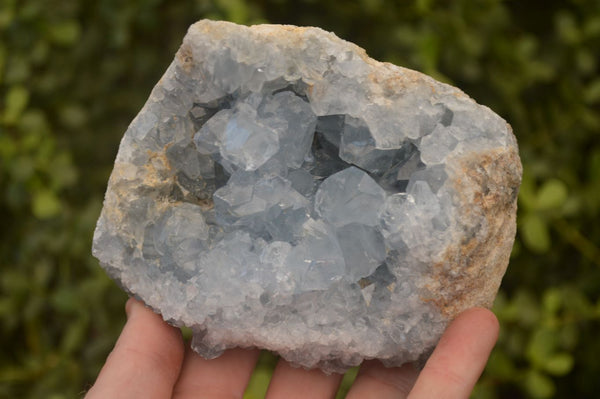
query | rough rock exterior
[282, 190]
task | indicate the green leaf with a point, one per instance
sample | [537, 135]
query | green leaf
[501, 366]
[17, 69]
[235, 10]
[186, 333]
[552, 300]
[2, 61]
[585, 61]
[534, 232]
[429, 52]
[527, 194]
[64, 33]
[423, 6]
[541, 346]
[559, 364]
[258, 384]
[569, 336]
[526, 307]
[592, 26]
[516, 250]
[34, 122]
[65, 300]
[539, 385]
[578, 304]
[8, 148]
[551, 195]
[594, 168]
[567, 27]
[62, 172]
[592, 91]
[73, 115]
[371, 6]
[16, 101]
[346, 383]
[45, 204]
[74, 336]
[7, 15]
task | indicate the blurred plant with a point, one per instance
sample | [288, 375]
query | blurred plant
[73, 74]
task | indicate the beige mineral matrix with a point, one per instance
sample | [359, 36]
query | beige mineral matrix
[282, 190]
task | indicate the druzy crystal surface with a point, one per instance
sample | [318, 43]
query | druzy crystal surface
[282, 190]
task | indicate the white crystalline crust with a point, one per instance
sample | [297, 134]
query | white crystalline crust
[282, 190]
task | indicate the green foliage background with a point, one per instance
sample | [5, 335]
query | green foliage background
[74, 73]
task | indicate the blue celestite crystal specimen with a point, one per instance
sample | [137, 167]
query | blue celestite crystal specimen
[282, 190]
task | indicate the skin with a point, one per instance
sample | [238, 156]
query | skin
[150, 360]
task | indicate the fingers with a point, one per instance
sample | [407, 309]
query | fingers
[222, 378]
[451, 372]
[290, 383]
[146, 359]
[459, 358]
[374, 380]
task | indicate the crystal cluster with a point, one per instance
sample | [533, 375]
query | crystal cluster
[282, 190]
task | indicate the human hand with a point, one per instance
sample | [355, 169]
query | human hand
[150, 360]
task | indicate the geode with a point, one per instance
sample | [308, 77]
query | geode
[282, 190]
